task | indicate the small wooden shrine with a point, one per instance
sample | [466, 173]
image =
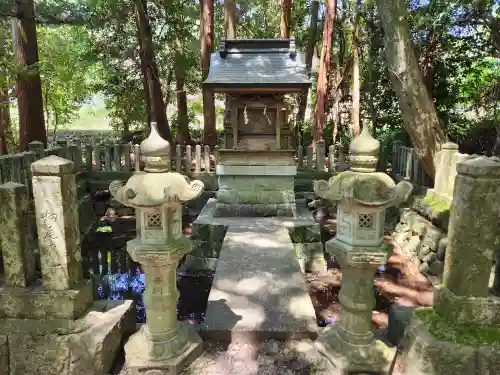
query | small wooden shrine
[256, 74]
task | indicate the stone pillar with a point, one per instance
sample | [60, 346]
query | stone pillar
[16, 241]
[357, 301]
[443, 163]
[473, 236]
[54, 190]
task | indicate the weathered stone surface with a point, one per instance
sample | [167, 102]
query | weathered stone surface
[399, 319]
[4, 355]
[207, 249]
[258, 291]
[305, 233]
[194, 264]
[481, 311]
[249, 196]
[36, 302]
[54, 190]
[254, 210]
[474, 231]
[425, 355]
[16, 239]
[89, 349]
[488, 360]
[140, 359]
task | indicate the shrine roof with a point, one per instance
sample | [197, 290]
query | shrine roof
[257, 64]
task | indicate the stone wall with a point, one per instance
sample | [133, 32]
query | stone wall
[422, 231]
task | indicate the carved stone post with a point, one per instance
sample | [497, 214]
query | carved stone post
[163, 344]
[362, 195]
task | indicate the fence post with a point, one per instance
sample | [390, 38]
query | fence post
[310, 161]
[178, 158]
[320, 155]
[443, 163]
[207, 159]
[300, 156]
[331, 158]
[189, 158]
[197, 151]
[396, 155]
[37, 147]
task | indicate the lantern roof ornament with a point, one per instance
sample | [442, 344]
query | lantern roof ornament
[364, 152]
[362, 184]
[155, 151]
[155, 186]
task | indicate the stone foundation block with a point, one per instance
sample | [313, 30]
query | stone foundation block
[255, 210]
[203, 231]
[210, 248]
[193, 263]
[4, 356]
[305, 233]
[141, 359]
[38, 303]
[88, 346]
[255, 196]
[427, 355]
[479, 311]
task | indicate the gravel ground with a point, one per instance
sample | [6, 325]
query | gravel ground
[271, 358]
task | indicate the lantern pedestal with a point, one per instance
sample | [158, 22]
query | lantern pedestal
[163, 357]
[162, 343]
[350, 344]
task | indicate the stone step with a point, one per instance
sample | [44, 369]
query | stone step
[258, 292]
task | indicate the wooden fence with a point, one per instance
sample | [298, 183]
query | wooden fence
[104, 157]
[407, 166]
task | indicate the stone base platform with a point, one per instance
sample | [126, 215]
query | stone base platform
[66, 347]
[36, 302]
[377, 357]
[209, 232]
[474, 351]
[259, 291]
[187, 344]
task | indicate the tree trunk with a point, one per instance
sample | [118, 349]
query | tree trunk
[182, 108]
[206, 40]
[4, 117]
[419, 114]
[29, 85]
[373, 47]
[158, 108]
[311, 44]
[286, 18]
[324, 68]
[356, 80]
[230, 18]
[144, 72]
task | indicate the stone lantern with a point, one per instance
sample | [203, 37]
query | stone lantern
[361, 195]
[162, 344]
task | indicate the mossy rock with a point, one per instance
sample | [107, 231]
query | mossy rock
[434, 346]
[460, 334]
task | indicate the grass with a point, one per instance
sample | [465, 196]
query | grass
[464, 335]
[91, 119]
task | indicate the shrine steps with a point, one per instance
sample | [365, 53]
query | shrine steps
[258, 292]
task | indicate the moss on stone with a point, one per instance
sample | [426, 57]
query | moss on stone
[460, 334]
[436, 204]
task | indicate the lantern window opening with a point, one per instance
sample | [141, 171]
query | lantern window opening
[153, 222]
[365, 221]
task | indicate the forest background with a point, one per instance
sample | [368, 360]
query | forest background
[424, 72]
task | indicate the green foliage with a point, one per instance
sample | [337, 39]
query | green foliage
[65, 73]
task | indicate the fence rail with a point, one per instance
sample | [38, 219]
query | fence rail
[107, 157]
